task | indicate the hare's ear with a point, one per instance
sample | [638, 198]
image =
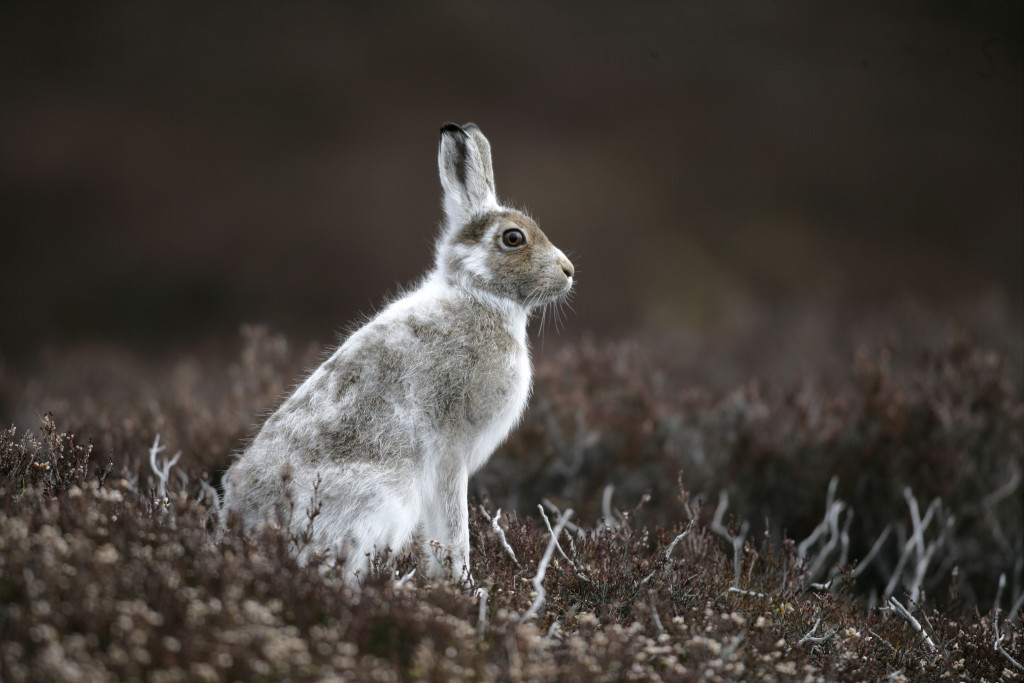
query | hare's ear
[464, 162]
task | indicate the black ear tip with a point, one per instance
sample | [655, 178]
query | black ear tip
[450, 127]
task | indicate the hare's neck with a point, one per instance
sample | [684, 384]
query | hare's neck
[514, 314]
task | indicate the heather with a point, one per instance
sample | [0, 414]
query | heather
[764, 505]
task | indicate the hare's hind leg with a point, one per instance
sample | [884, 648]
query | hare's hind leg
[446, 522]
[366, 515]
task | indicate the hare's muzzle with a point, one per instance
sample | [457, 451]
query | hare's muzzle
[567, 268]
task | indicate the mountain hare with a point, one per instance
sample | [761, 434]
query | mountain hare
[416, 400]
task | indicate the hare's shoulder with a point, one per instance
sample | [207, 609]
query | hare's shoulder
[445, 317]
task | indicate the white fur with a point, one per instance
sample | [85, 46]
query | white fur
[393, 424]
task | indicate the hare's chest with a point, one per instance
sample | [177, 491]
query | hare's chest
[520, 379]
[496, 410]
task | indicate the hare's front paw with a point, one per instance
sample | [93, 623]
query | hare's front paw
[444, 562]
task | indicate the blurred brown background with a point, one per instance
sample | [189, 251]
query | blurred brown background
[169, 171]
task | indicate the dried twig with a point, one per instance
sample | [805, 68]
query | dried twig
[500, 532]
[1000, 636]
[575, 565]
[834, 537]
[553, 630]
[606, 506]
[206, 490]
[914, 623]
[162, 470]
[823, 526]
[809, 637]
[863, 564]
[881, 638]
[481, 619]
[731, 648]
[1016, 607]
[654, 613]
[672, 545]
[542, 566]
[998, 647]
[554, 508]
[558, 546]
[721, 530]
[916, 547]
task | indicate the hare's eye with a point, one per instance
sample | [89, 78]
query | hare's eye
[513, 238]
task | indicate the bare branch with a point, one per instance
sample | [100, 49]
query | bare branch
[1000, 636]
[654, 613]
[998, 647]
[205, 490]
[554, 508]
[161, 470]
[1016, 607]
[500, 532]
[914, 623]
[716, 521]
[1005, 490]
[575, 565]
[672, 545]
[721, 530]
[481, 619]
[915, 545]
[542, 567]
[832, 520]
[606, 505]
[883, 640]
[844, 540]
[801, 549]
[863, 564]
[810, 637]
[558, 546]
[922, 567]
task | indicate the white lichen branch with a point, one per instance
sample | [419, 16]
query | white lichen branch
[606, 508]
[1000, 636]
[721, 530]
[542, 566]
[554, 508]
[481, 620]
[206, 491]
[863, 564]
[500, 532]
[916, 548]
[809, 637]
[161, 470]
[654, 613]
[405, 579]
[823, 527]
[832, 537]
[914, 623]
[684, 534]
[575, 565]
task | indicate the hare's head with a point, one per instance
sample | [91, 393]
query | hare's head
[485, 245]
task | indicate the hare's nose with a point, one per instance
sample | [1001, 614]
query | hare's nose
[567, 267]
